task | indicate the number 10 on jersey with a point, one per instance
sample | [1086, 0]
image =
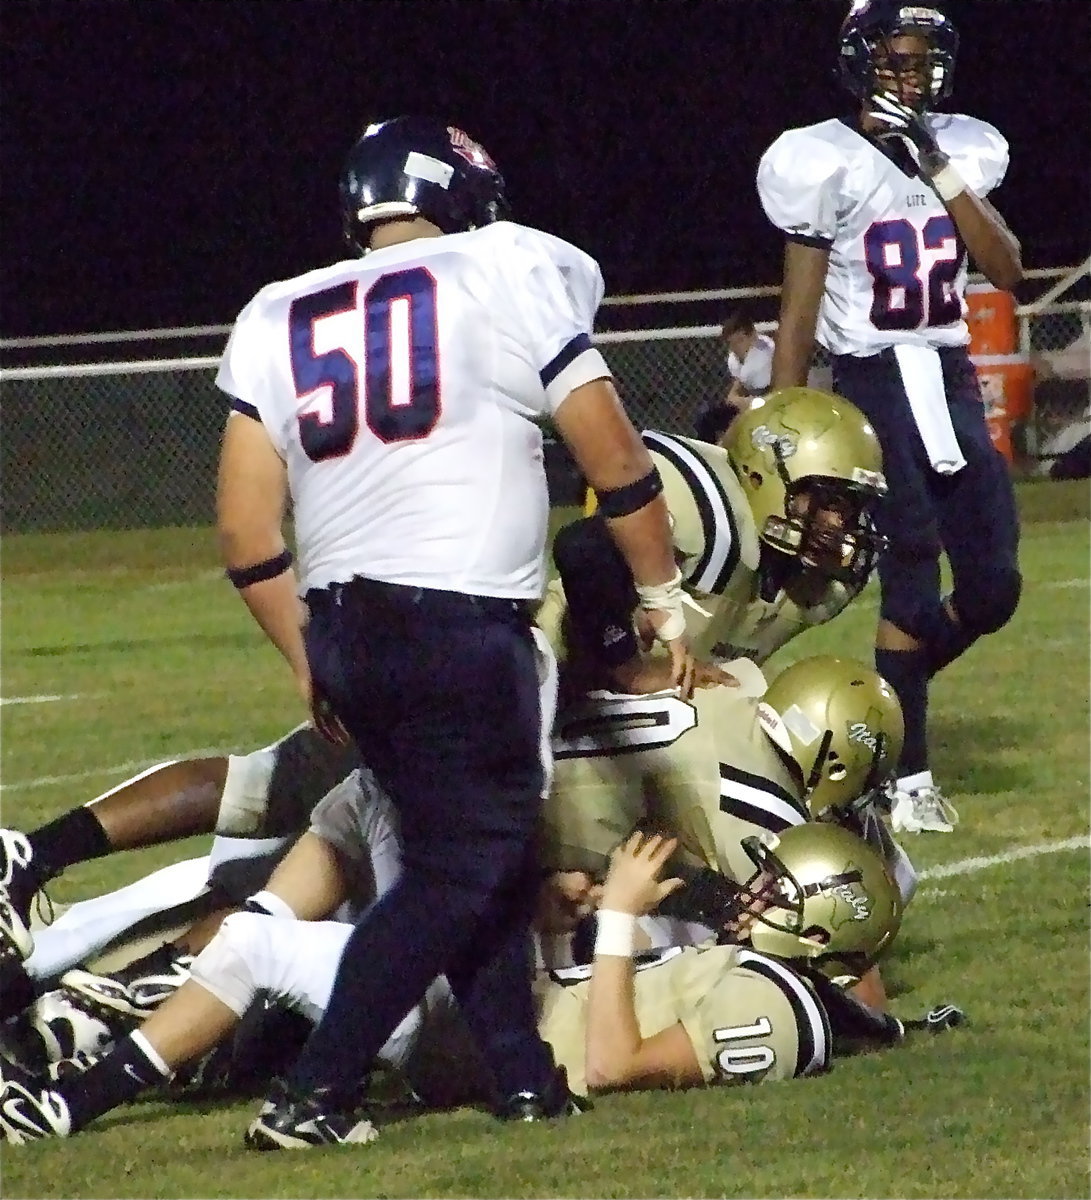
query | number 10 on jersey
[399, 388]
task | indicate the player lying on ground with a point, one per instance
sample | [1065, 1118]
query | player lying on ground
[723, 766]
[729, 764]
[254, 803]
[723, 1014]
[773, 535]
[612, 754]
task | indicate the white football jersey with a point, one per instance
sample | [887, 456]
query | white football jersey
[897, 270]
[402, 390]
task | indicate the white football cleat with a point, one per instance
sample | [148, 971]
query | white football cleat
[923, 810]
[30, 1112]
[65, 1028]
[133, 991]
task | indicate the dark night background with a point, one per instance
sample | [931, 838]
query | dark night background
[162, 159]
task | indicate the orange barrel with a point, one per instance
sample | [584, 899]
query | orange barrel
[991, 317]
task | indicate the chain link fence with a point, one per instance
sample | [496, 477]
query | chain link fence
[134, 445]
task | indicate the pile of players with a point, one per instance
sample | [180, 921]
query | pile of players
[722, 838]
[762, 805]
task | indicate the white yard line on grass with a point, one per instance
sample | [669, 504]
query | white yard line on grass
[1066, 583]
[38, 699]
[971, 866]
[137, 764]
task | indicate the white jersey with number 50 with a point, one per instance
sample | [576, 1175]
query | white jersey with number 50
[897, 269]
[402, 391]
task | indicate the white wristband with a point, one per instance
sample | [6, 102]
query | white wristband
[948, 183]
[615, 933]
[665, 597]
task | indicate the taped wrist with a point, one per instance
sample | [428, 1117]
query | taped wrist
[947, 183]
[615, 933]
[665, 597]
[622, 501]
[269, 568]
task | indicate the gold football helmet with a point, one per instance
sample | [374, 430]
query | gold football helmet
[844, 725]
[810, 465]
[829, 901]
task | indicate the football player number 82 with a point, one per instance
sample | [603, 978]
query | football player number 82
[398, 388]
[904, 297]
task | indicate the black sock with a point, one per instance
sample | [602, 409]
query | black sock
[115, 1079]
[907, 672]
[74, 838]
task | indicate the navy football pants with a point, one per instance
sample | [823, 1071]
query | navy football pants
[440, 692]
[970, 515]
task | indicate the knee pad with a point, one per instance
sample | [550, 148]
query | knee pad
[224, 967]
[989, 602]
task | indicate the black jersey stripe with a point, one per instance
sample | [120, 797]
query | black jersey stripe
[759, 800]
[814, 1040]
[721, 551]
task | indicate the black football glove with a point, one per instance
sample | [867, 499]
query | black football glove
[902, 121]
[938, 1019]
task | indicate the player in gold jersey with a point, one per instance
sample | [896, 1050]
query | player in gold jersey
[720, 767]
[725, 1014]
[772, 534]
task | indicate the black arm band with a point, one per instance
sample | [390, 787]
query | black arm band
[620, 502]
[270, 568]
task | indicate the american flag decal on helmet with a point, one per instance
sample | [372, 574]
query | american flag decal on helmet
[464, 146]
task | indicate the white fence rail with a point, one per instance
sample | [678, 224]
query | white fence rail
[114, 444]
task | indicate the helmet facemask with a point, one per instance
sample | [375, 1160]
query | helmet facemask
[869, 62]
[826, 525]
[800, 921]
[919, 79]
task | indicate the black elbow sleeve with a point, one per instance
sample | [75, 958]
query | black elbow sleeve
[599, 589]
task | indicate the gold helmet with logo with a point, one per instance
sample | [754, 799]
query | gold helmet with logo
[830, 902]
[810, 465]
[844, 725]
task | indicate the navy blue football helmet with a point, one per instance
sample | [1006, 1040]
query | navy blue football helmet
[413, 166]
[864, 46]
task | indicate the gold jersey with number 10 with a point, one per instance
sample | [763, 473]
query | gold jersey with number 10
[750, 1018]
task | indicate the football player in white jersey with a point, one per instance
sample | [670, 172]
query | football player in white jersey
[880, 211]
[393, 399]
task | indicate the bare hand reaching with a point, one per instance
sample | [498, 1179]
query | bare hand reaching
[632, 882]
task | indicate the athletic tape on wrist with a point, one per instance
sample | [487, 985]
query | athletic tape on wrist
[948, 183]
[665, 597]
[615, 933]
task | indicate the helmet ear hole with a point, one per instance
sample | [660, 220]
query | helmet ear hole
[815, 933]
[837, 772]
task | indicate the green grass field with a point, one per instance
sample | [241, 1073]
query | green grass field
[153, 656]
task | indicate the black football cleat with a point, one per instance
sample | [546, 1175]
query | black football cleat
[291, 1120]
[557, 1101]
